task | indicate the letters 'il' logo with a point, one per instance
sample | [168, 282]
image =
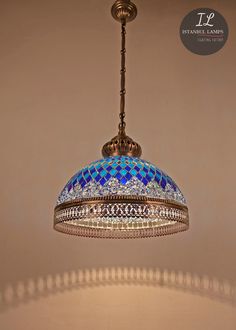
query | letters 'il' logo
[204, 31]
[208, 17]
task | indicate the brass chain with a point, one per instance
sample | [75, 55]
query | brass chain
[122, 79]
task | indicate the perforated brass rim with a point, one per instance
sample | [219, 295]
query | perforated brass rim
[121, 217]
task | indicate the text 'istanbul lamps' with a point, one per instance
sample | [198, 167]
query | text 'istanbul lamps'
[121, 195]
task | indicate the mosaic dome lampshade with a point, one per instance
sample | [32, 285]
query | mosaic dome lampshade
[121, 195]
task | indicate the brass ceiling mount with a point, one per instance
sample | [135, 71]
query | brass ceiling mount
[124, 10]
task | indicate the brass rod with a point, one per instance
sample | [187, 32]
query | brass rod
[122, 78]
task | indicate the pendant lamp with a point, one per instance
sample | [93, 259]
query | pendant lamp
[121, 195]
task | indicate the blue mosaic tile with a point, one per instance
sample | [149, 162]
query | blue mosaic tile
[83, 183]
[86, 175]
[98, 177]
[139, 176]
[113, 172]
[103, 173]
[152, 170]
[142, 173]
[118, 176]
[163, 182]
[145, 169]
[145, 181]
[128, 176]
[150, 175]
[148, 178]
[94, 174]
[102, 181]
[123, 180]
[133, 172]
[108, 176]
[158, 176]
[106, 165]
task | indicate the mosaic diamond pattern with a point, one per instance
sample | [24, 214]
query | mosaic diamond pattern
[121, 175]
[123, 168]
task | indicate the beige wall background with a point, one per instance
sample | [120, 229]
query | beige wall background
[59, 65]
